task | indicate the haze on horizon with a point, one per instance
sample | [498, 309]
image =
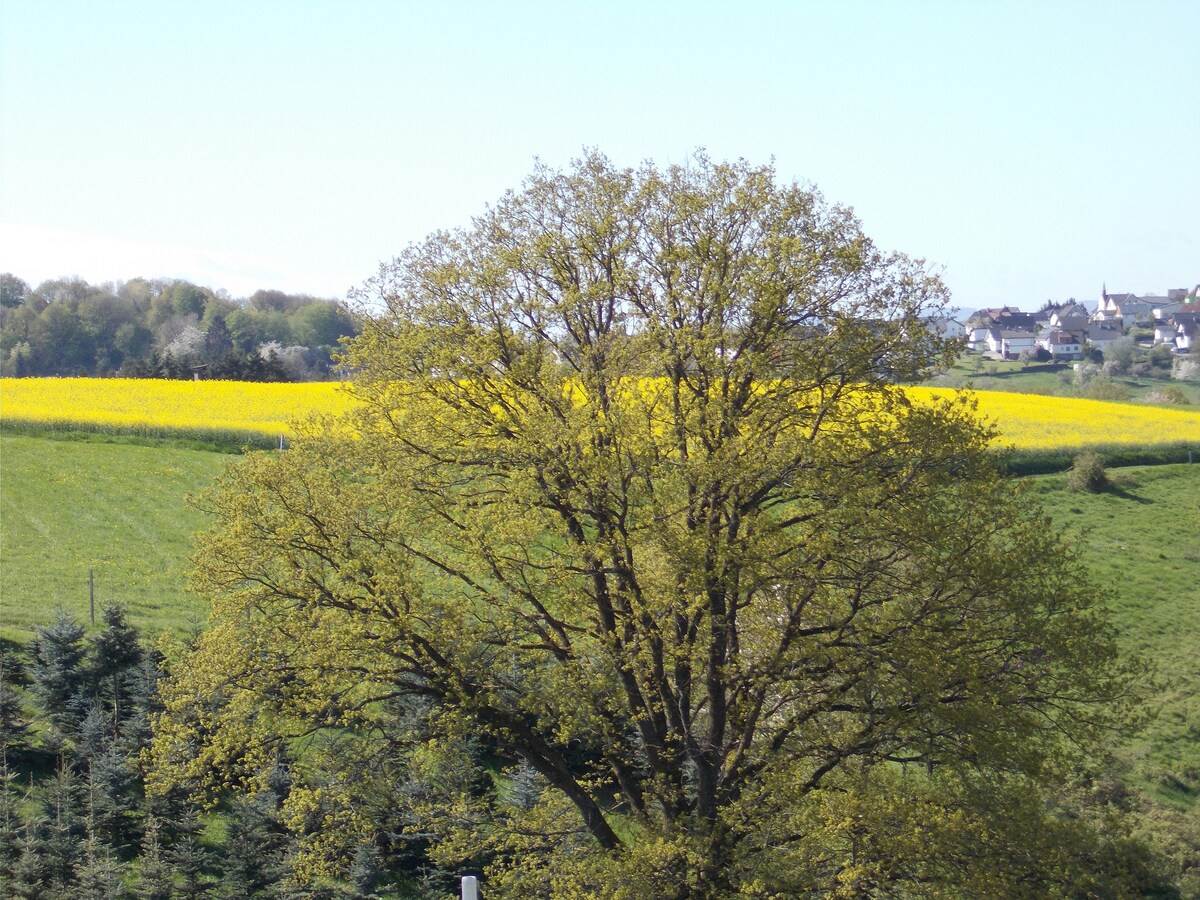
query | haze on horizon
[1032, 151]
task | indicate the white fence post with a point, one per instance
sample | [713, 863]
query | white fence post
[470, 887]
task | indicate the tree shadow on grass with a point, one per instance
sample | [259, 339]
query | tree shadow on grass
[1118, 489]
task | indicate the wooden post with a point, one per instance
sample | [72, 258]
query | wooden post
[92, 594]
[470, 887]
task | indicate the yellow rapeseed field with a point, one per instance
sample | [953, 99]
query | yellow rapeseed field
[221, 409]
[242, 410]
[1034, 422]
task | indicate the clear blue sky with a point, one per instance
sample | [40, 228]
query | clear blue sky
[1031, 150]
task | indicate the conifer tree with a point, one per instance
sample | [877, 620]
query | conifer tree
[10, 822]
[99, 873]
[64, 829]
[253, 857]
[113, 789]
[95, 733]
[14, 726]
[367, 870]
[189, 860]
[114, 653]
[154, 881]
[29, 881]
[142, 703]
[59, 673]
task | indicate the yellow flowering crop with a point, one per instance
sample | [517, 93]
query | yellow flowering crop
[224, 409]
[244, 410]
[1034, 422]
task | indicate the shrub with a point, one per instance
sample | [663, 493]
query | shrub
[1088, 473]
[1084, 373]
[1186, 369]
[1104, 388]
[1167, 395]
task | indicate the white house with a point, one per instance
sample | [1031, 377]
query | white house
[1164, 332]
[945, 326]
[1061, 344]
[1070, 317]
[1164, 311]
[1009, 343]
[1186, 334]
[1125, 310]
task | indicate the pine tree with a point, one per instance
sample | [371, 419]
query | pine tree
[99, 875]
[58, 671]
[142, 702]
[254, 852]
[94, 734]
[29, 880]
[10, 822]
[113, 789]
[114, 653]
[526, 787]
[367, 870]
[154, 881]
[14, 726]
[189, 859]
[64, 831]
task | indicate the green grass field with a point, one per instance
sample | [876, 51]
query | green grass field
[121, 510]
[1141, 541]
[67, 507]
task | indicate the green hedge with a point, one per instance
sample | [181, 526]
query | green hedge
[1041, 462]
[214, 440]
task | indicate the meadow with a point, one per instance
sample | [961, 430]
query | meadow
[1138, 541]
[123, 512]
[1051, 379]
[118, 511]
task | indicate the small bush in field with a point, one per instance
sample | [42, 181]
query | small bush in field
[1167, 395]
[1088, 473]
[1105, 388]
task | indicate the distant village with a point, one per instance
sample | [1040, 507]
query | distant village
[1071, 331]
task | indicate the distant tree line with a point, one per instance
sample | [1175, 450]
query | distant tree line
[160, 328]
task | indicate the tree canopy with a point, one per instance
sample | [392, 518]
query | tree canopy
[636, 574]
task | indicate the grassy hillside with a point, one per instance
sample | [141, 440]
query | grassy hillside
[119, 510]
[1141, 541]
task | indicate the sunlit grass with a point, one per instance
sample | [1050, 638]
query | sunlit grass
[120, 512]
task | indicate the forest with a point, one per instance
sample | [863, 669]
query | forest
[166, 328]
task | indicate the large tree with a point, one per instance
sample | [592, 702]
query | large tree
[633, 505]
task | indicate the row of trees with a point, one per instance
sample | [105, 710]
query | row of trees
[165, 329]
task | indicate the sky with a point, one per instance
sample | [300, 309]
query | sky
[1028, 151]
